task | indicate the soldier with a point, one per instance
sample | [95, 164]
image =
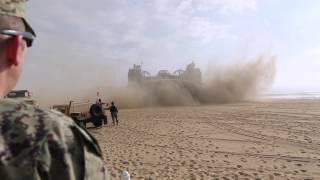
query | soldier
[114, 112]
[104, 116]
[37, 144]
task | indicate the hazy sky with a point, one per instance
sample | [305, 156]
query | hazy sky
[86, 42]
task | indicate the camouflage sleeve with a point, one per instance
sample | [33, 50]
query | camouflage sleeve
[38, 144]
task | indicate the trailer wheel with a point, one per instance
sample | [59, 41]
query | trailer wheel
[96, 115]
[95, 110]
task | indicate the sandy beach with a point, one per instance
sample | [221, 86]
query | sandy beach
[251, 140]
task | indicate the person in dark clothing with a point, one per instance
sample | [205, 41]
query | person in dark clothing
[114, 113]
[104, 116]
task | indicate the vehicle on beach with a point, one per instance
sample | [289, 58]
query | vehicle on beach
[83, 113]
[22, 95]
[139, 77]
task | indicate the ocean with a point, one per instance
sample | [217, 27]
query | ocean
[294, 95]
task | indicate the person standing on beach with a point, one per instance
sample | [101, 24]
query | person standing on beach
[114, 113]
[36, 144]
[104, 116]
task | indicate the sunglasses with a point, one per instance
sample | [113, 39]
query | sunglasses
[27, 36]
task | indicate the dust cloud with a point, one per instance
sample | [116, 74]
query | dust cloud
[221, 84]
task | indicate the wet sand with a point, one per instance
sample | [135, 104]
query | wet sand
[252, 140]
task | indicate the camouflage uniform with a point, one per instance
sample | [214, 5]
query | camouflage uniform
[15, 8]
[37, 144]
[114, 113]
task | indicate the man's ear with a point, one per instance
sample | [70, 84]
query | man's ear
[13, 50]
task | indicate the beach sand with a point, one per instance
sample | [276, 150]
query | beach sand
[251, 140]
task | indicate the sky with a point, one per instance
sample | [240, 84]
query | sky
[85, 43]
